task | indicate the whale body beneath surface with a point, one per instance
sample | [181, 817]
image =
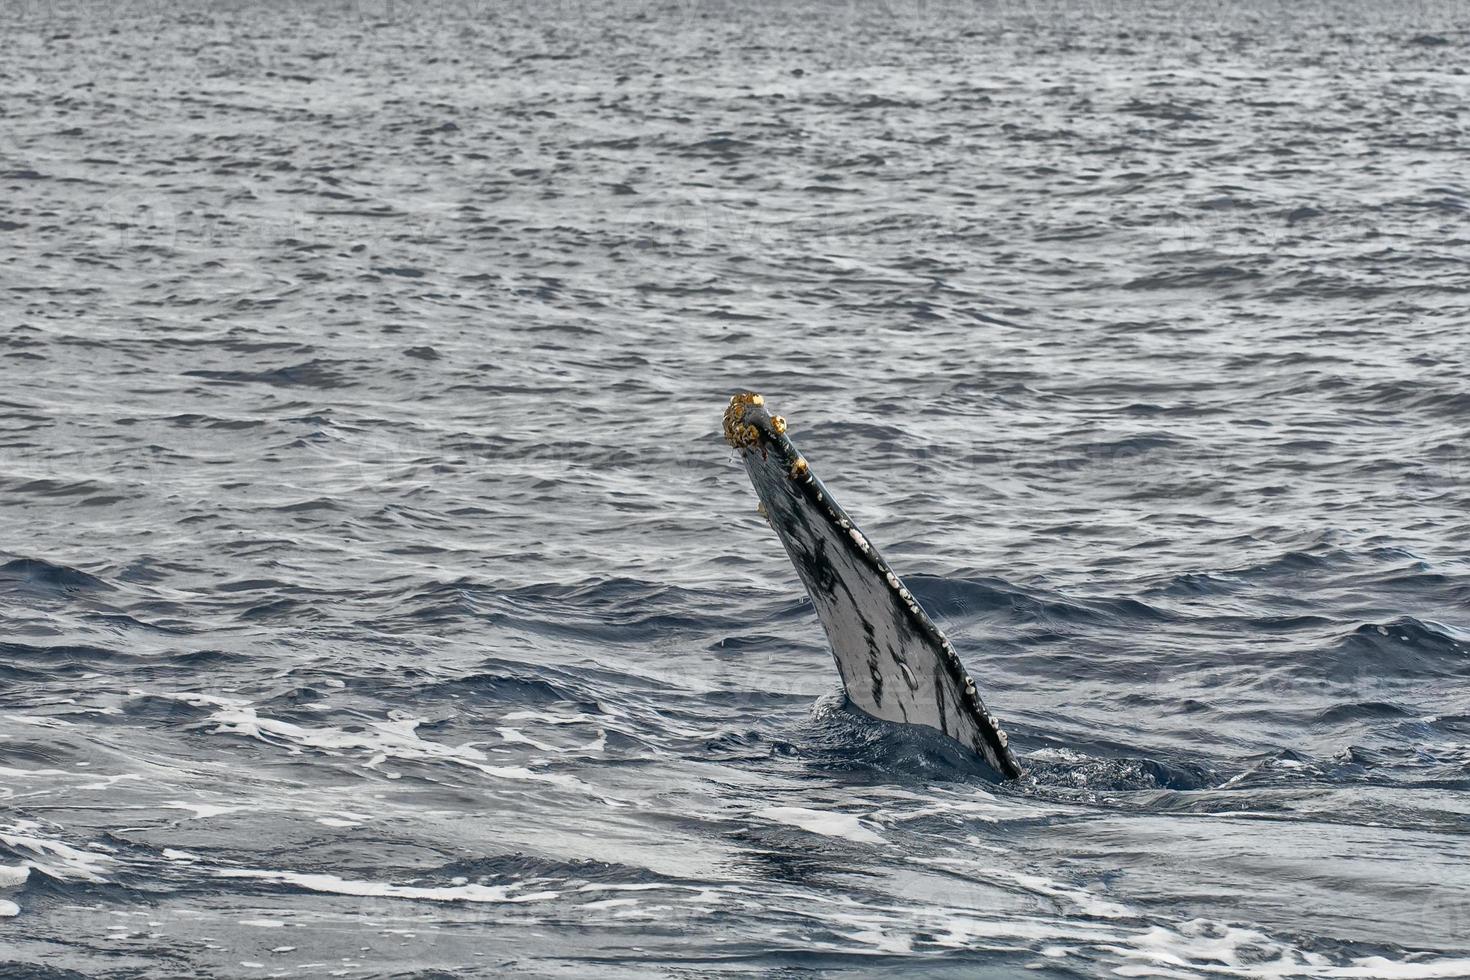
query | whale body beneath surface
[895, 663]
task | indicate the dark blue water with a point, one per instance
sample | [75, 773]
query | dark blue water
[379, 598]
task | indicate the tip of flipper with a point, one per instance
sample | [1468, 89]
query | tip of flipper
[744, 418]
[749, 426]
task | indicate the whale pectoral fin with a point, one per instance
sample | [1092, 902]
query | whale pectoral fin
[894, 662]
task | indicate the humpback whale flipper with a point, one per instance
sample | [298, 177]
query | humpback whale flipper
[894, 662]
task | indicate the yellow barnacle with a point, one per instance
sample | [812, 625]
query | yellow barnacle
[779, 424]
[798, 469]
[737, 432]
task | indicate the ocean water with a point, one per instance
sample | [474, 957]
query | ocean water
[379, 599]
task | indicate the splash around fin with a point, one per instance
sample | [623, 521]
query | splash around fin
[894, 662]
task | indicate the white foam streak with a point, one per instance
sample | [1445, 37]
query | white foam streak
[1085, 901]
[1188, 949]
[517, 737]
[1199, 946]
[575, 719]
[823, 822]
[385, 739]
[54, 858]
[378, 889]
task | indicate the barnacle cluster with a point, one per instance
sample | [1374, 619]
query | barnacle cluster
[738, 432]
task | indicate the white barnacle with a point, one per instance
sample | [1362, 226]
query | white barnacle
[1000, 734]
[893, 581]
[993, 723]
[846, 524]
[904, 594]
[858, 539]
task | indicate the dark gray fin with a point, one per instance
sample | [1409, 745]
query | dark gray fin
[895, 663]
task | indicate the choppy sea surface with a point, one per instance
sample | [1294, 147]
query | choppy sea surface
[379, 599]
